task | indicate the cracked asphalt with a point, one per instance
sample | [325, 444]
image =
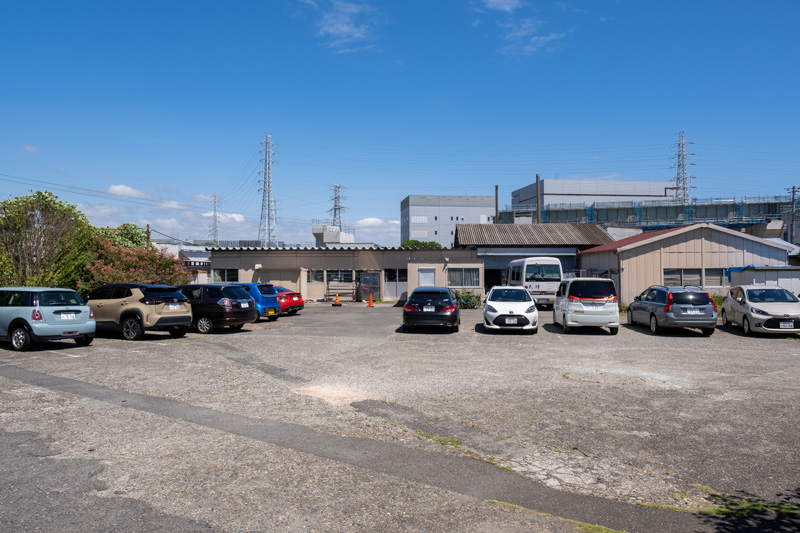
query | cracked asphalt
[336, 420]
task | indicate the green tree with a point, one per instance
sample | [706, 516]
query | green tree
[423, 245]
[43, 241]
[112, 263]
[127, 235]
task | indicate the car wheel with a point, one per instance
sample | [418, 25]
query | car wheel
[630, 317]
[708, 331]
[178, 331]
[237, 326]
[273, 318]
[746, 326]
[204, 325]
[653, 324]
[20, 339]
[725, 322]
[132, 329]
[614, 331]
[84, 341]
[455, 328]
[564, 325]
[554, 317]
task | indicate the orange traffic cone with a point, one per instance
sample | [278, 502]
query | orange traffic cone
[336, 303]
[370, 301]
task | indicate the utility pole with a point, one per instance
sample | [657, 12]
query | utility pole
[336, 211]
[793, 190]
[267, 229]
[682, 178]
[214, 233]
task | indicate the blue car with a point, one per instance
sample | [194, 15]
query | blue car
[266, 298]
[32, 314]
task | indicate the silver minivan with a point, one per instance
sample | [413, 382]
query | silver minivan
[584, 302]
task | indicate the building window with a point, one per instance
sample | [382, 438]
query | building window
[315, 276]
[345, 276]
[463, 277]
[224, 275]
[436, 218]
[419, 219]
[715, 277]
[435, 232]
[395, 275]
[451, 233]
[680, 277]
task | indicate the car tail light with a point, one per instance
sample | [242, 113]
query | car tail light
[225, 302]
[449, 309]
[36, 315]
[409, 309]
[668, 307]
[91, 314]
[606, 299]
[712, 301]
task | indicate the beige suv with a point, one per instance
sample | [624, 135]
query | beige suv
[135, 307]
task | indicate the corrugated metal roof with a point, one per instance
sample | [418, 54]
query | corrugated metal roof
[530, 235]
[634, 239]
[648, 236]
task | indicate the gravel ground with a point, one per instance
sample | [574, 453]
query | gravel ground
[632, 418]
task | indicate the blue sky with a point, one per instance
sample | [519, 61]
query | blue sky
[140, 112]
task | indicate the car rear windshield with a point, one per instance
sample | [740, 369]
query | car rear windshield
[235, 293]
[693, 298]
[770, 295]
[163, 293]
[53, 298]
[509, 295]
[430, 297]
[592, 289]
[267, 290]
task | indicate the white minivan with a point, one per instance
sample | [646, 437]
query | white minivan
[583, 302]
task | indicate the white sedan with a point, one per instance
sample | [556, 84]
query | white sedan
[510, 308]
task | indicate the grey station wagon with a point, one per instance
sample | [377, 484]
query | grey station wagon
[674, 307]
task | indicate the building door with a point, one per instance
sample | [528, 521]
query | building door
[395, 283]
[427, 277]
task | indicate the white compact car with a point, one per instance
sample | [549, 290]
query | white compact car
[584, 302]
[762, 308]
[510, 308]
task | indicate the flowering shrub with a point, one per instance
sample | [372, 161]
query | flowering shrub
[117, 264]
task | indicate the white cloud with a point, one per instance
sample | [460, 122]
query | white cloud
[29, 149]
[203, 197]
[344, 23]
[379, 231]
[502, 5]
[227, 217]
[130, 192]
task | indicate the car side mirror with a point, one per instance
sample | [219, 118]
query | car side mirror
[637, 298]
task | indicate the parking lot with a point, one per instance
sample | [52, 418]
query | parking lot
[336, 420]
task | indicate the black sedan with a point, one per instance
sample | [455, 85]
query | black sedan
[431, 306]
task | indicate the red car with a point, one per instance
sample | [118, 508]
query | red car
[291, 302]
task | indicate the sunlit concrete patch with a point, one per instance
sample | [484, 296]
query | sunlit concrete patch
[338, 395]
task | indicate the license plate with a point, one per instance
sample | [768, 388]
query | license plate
[787, 325]
[294, 298]
[692, 311]
[428, 309]
[67, 316]
[245, 305]
[511, 320]
[174, 307]
[271, 311]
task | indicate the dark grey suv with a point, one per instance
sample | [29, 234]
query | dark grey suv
[674, 307]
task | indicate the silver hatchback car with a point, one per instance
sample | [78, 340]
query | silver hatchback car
[769, 309]
[674, 307]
